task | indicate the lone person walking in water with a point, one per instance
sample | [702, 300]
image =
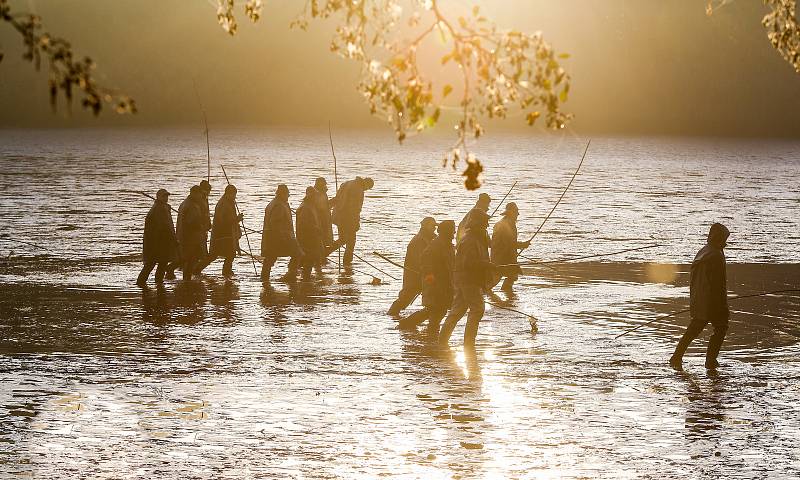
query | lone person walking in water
[159, 245]
[481, 206]
[225, 232]
[278, 238]
[505, 246]
[412, 279]
[472, 269]
[708, 298]
[347, 213]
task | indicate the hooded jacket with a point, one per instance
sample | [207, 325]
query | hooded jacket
[412, 280]
[278, 239]
[191, 229]
[225, 232]
[708, 289]
[309, 231]
[437, 264]
[472, 266]
[347, 205]
[159, 244]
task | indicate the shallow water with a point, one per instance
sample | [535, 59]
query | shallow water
[222, 379]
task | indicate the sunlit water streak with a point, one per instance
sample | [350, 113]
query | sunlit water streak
[222, 379]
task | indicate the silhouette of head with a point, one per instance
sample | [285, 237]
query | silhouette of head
[321, 184]
[447, 229]
[511, 211]
[311, 192]
[282, 191]
[428, 225]
[205, 187]
[718, 235]
[195, 190]
[162, 195]
[483, 201]
[367, 183]
[478, 220]
[230, 190]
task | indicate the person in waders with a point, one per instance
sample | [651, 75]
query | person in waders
[309, 232]
[481, 206]
[191, 230]
[225, 232]
[346, 213]
[278, 237]
[505, 246]
[708, 298]
[159, 243]
[412, 280]
[323, 208]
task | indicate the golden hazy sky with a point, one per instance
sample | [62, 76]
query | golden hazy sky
[638, 66]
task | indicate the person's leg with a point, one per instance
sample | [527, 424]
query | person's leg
[266, 268]
[692, 331]
[203, 263]
[415, 319]
[349, 247]
[715, 342]
[435, 316]
[508, 283]
[189, 267]
[476, 306]
[145, 273]
[161, 270]
[227, 266]
[404, 299]
[458, 311]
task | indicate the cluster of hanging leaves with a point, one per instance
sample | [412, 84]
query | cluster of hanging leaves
[501, 72]
[67, 72]
[783, 27]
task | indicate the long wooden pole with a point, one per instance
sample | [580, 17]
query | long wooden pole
[561, 197]
[503, 200]
[236, 205]
[336, 180]
[205, 123]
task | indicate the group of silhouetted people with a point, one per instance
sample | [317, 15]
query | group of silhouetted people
[451, 277]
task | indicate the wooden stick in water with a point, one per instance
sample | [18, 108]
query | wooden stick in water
[373, 266]
[336, 179]
[250, 249]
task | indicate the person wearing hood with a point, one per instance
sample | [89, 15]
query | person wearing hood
[472, 271]
[436, 268]
[346, 213]
[202, 201]
[708, 298]
[225, 232]
[481, 206]
[323, 208]
[278, 237]
[310, 235]
[191, 231]
[159, 244]
[505, 246]
[412, 280]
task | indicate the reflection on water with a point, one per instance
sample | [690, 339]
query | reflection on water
[225, 378]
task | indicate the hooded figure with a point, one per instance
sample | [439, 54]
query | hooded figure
[278, 238]
[225, 232]
[309, 232]
[323, 209]
[708, 298]
[436, 272]
[412, 280]
[192, 230]
[481, 206]
[159, 244]
[346, 214]
[505, 246]
[472, 270]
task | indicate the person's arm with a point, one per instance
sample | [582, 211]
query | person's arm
[718, 301]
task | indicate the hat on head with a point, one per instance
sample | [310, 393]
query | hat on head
[447, 226]
[511, 207]
[162, 191]
[311, 191]
[428, 221]
[484, 197]
[282, 188]
[230, 189]
[719, 233]
[320, 181]
[205, 185]
[195, 189]
[368, 182]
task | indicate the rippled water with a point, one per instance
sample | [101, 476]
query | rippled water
[223, 379]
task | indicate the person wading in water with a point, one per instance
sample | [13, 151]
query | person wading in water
[481, 206]
[278, 238]
[159, 243]
[708, 298]
[436, 272]
[323, 207]
[192, 231]
[346, 215]
[505, 246]
[225, 232]
[412, 281]
[472, 270]
[309, 232]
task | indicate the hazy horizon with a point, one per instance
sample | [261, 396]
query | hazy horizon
[656, 68]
